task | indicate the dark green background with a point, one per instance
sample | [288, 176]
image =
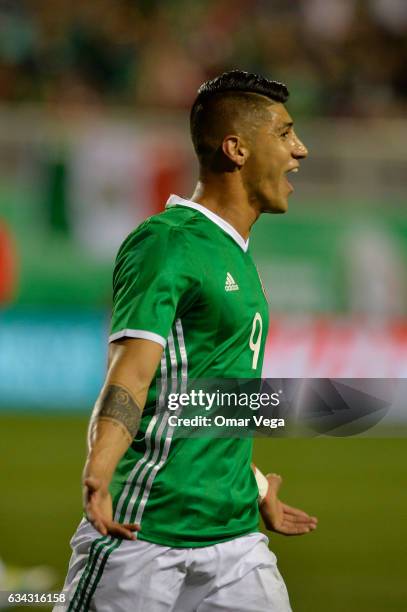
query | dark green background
[54, 270]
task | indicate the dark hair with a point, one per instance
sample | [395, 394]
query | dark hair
[235, 86]
[243, 82]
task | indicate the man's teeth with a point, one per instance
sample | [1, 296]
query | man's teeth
[293, 170]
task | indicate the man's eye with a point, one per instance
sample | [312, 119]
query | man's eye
[285, 134]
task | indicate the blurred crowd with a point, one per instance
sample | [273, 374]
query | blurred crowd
[341, 57]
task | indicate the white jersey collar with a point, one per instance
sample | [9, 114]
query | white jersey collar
[175, 200]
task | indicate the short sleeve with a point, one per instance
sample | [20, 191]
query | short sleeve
[154, 281]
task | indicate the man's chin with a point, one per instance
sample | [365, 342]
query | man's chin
[277, 207]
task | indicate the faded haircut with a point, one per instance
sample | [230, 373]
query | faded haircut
[234, 101]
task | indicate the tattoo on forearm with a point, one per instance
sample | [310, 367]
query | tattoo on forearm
[117, 405]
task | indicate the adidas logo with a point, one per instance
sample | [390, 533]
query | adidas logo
[230, 284]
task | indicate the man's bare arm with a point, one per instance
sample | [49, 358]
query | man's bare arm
[114, 423]
[118, 406]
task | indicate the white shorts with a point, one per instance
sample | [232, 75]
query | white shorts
[240, 575]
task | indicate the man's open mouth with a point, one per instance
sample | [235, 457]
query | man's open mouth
[288, 172]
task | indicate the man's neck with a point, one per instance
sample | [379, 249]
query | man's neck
[227, 200]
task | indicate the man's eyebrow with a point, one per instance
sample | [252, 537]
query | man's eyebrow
[285, 125]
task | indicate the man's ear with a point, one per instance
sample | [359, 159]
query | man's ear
[235, 150]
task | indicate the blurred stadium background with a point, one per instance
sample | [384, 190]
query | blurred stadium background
[93, 138]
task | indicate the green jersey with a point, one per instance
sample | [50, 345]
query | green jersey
[185, 279]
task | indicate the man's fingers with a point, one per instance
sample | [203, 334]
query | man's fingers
[289, 528]
[100, 527]
[96, 520]
[112, 528]
[97, 523]
[131, 526]
[298, 530]
[92, 512]
[295, 511]
[300, 520]
[298, 513]
[101, 523]
[296, 527]
[120, 531]
[301, 523]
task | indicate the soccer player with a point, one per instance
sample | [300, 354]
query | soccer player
[172, 524]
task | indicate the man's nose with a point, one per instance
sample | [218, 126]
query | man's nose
[300, 150]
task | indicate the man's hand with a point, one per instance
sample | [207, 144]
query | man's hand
[97, 503]
[280, 517]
